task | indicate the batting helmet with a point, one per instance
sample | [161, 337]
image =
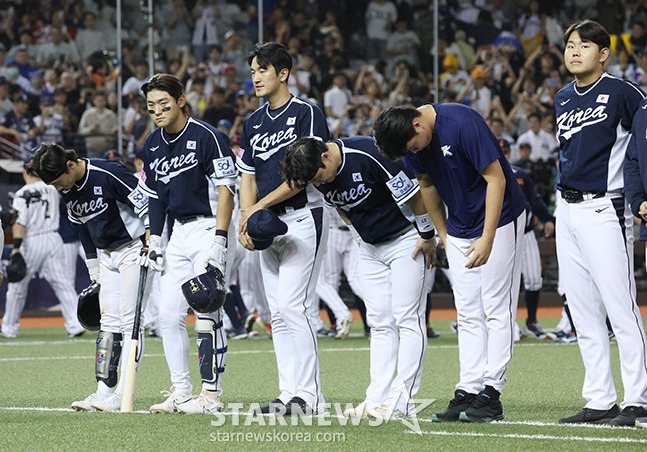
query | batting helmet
[88, 311]
[17, 268]
[206, 292]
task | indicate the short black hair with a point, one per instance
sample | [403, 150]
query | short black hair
[50, 161]
[272, 53]
[168, 83]
[394, 129]
[590, 31]
[302, 161]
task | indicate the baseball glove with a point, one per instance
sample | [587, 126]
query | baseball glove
[441, 257]
[17, 268]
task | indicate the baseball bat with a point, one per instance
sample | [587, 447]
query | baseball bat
[133, 356]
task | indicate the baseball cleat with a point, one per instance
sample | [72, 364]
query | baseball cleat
[431, 334]
[276, 406]
[86, 404]
[454, 326]
[484, 408]
[462, 400]
[359, 412]
[208, 402]
[344, 328]
[325, 332]
[570, 338]
[534, 330]
[298, 407]
[386, 412]
[591, 416]
[72, 334]
[174, 398]
[641, 422]
[249, 322]
[628, 416]
[112, 403]
[240, 333]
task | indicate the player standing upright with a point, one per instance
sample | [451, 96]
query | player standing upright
[103, 199]
[457, 159]
[189, 174]
[35, 236]
[372, 195]
[291, 265]
[594, 231]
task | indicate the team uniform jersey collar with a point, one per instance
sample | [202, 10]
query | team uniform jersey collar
[276, 113]
[86, 176]
[583, 90]
[172, 138]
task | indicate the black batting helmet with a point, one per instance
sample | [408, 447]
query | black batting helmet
[17, 268]
[88, 311]
[206, 292]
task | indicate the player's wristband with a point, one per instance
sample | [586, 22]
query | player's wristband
[16, 243]
[222, 233]
[425, 226]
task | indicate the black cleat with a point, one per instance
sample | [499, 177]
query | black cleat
[628, 416]
[485, 407]
[297, 407]
[276, 406]
[591, 416]
[461, 401]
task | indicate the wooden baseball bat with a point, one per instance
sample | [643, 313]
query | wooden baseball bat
[134, 356]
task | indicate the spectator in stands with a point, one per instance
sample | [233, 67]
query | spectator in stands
[5, 101]
[235, 52]
[89, 39]
[217, 109]
[26, 42]
[638, 39]
[137, 127]
[544, 145]
[67, 84]
[379, 16]
[18, 124]
[177, 26]
[625, 68]
[62, 108]
[50, 124]
[524, 162]
[453, 75]
[12, 73]
[336, 100]
[133, 84]
[476, 93]
[204, 29]
[26, 69]
[402, 44]
[57, 53]
[99, 126]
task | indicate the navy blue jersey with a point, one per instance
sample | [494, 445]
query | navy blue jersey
[370, 189]
[182, 172]
[462, 146]
[266, 136]
[108, 202]
[535, 205]
[635, 166]
[66, 229]
[593, 129]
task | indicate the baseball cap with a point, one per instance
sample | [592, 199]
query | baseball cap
[477, 73]
[505, 144]
[450, 60]
[226, 123]
[262, 226]
[112, 155]
[21, 98]
[229, 67]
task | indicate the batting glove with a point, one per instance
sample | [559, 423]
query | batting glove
[217, 255]
[155, 257]
[142, 260]
[93, 268]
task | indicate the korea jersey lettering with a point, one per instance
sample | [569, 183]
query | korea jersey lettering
[266, 136]
[177, 167]
[591, 157]
[109, 203]
[369, 188]
[462, 146]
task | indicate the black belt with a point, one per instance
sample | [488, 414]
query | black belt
[574, 196]
[186, 220]
[343, 228]
[283, 209]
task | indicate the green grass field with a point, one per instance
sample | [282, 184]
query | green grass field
[41, 373]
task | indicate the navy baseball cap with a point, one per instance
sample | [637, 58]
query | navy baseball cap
[263, 226]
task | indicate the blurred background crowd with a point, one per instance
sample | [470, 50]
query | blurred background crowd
[59, 66]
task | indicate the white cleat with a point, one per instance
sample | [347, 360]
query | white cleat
[359, 412]
[86, 404]
[344, 328]
[111, 404]
[386, 412]
[174, 398]
[208, 402]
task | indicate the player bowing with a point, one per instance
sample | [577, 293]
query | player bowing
[103, 199]
[380, 203]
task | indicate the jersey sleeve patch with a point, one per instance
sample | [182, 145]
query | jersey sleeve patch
[138, 198]
[400, 185]
[224, 167]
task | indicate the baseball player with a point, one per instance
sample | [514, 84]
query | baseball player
[531, 262]
[189, 174]
[110, 211]
[35, 236]
[370, 193]
[594, 230]
[457, 159]
[291, 265]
